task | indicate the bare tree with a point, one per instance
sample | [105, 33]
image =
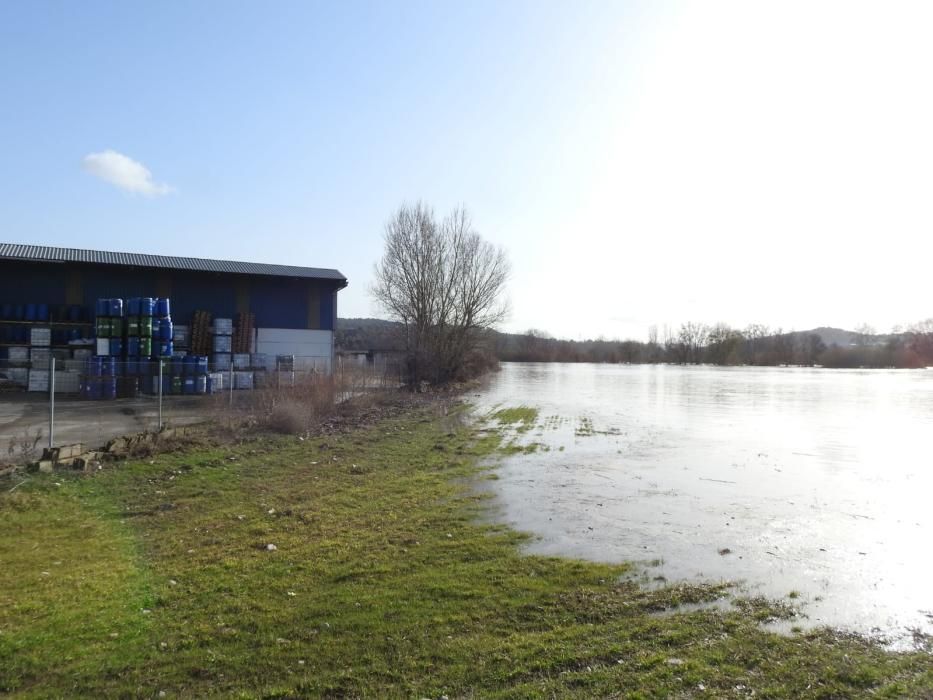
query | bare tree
[692, 338]
[755, 334]
[920, 343]
[865, 334]
[444, 283]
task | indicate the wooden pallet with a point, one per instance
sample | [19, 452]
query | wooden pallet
[200, 334]
[243, 327]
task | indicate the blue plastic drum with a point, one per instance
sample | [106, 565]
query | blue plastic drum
[108, 366]
[166, 329]
[95, 366]
[108, 388]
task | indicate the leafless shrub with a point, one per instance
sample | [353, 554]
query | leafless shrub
[289, 417]
[24, 448]
[299, 402]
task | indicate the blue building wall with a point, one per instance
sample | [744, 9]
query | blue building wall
[29, 283]
[277, 302]
[328, 314]
[281, 303]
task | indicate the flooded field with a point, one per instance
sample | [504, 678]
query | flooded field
[814, 486]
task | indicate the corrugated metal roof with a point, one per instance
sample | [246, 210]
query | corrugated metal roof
[15, 251]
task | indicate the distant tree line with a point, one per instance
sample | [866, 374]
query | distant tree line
[720, 344]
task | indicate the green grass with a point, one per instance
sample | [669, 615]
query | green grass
[523, 417]
[154, 576]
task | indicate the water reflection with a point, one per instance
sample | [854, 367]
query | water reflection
[817, 481]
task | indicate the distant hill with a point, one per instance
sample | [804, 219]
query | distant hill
[843, 338]
[833, 336]
[365, 323]
[369, 334]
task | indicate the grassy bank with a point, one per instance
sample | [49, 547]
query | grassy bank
[157, 576]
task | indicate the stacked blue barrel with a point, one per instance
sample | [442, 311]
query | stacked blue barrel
[105, 366]
[162, 329]
[144, 343]
[130, 337]
[184, 374]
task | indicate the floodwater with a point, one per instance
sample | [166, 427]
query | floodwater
[817, 482]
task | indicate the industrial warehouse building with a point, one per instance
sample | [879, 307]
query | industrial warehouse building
[292, 310]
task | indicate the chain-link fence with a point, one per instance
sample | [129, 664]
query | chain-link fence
[50, 402]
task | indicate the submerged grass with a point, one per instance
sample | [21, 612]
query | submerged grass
[156, 577]
[523, 417]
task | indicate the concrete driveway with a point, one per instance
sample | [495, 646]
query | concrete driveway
[23, 416]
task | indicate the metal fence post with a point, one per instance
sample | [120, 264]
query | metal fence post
[51, 402]
[231, 382]
[160, 394]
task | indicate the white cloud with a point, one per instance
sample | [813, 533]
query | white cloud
[125, 173]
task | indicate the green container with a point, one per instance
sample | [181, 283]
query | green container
[145, 347]
[116, 327]
[132, 326]
[103, 327]
[145, 326]
[177, 385]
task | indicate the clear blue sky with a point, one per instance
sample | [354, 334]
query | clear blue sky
[614, 149]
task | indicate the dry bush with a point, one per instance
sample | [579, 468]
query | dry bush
[161, 443]
[299, 406]
[23, 448]
[289, 417]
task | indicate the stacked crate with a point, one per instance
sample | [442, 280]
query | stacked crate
[243, 379]
[17, 365]
[181, 338]
[40, 352]
[217, 382]
[35, 333]
[222, 344]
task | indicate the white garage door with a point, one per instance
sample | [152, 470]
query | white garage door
[310, 348]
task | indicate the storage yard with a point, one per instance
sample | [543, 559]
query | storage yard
[24, 423]
[101, 326]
